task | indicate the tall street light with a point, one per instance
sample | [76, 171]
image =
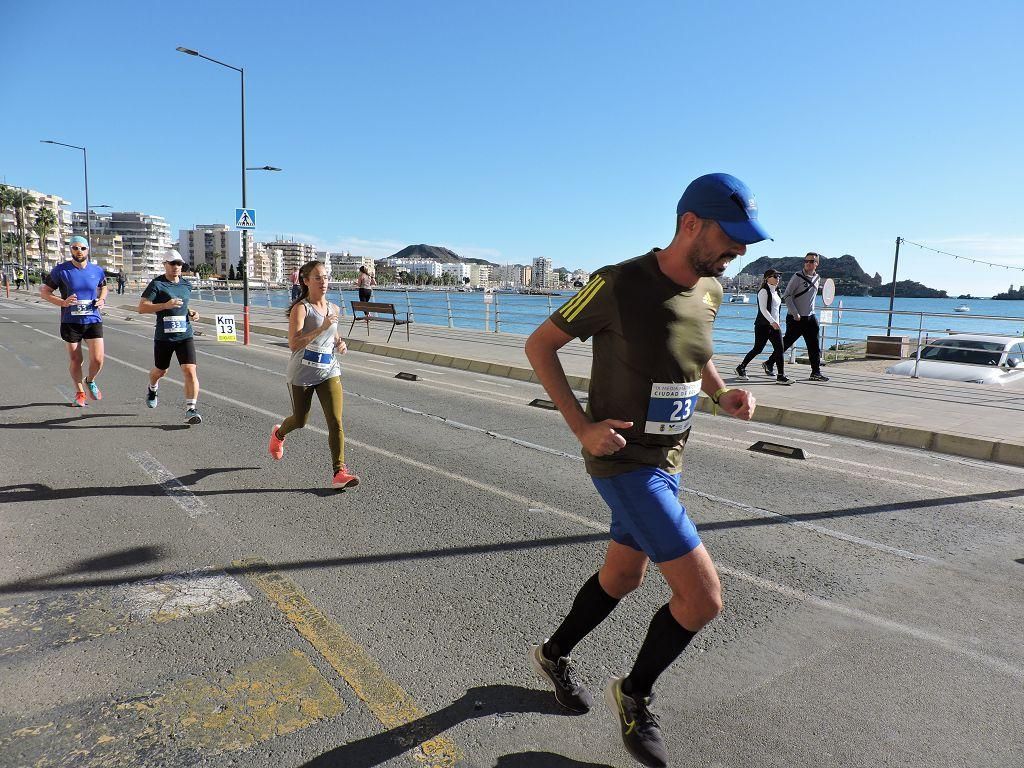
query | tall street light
[245, 254]
[85, 161]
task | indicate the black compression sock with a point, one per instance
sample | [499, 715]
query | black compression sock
[591, 606]
[665, 640]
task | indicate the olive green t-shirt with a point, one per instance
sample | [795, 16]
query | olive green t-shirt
[652, 339]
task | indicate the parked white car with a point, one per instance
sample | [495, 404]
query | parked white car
[970, 357]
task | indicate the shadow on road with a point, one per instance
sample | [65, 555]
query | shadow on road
[480, 701]
[73, 422]
[543, 760]
[31, 405]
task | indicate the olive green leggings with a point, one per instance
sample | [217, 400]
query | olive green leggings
[330, 396]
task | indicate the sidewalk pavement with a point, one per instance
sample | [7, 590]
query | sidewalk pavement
[970, 420]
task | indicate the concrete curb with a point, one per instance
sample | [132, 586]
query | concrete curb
[844, 426]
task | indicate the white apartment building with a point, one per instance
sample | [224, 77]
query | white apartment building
[215, 245]
[511, 275]
[145, 238]
[579, 276]
[543, 274]
[54, 247]
[329, 261]
[460, 272]
[293, 255]
[345, 262]
[427, 267]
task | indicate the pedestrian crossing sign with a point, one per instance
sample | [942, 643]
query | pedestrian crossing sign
[226, 328]
[245, 218]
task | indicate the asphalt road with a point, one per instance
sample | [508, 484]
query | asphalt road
[169, 595]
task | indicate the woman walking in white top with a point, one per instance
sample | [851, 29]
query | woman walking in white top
[315, 344]
[766, 328]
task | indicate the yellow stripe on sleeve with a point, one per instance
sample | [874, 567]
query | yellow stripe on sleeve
[572, 308]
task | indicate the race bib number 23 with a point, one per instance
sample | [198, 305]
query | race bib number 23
[670, 411]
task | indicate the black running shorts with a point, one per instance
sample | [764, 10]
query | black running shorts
[184, 349]
[73, 333]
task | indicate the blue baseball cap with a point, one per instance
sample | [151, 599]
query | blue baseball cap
[728, 201]
[78, 240]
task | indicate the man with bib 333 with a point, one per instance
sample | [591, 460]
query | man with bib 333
[167, 297]
[83, 290]
[651, 321]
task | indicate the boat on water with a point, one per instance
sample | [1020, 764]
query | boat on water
[962, 308]
[739, 298]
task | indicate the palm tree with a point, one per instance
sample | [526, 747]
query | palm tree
[21, 202]
[45, 223]
[6, 201]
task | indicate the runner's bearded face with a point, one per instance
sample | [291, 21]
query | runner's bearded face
[79, 253]
[713, 250]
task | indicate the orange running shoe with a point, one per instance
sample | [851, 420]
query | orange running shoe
[79, 400]
[276, 446]
[344, 479]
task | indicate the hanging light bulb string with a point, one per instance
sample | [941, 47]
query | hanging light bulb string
[962, 258]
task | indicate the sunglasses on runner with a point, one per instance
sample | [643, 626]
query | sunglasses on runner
[79, 247]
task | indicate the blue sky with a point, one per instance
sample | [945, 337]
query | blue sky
[560, 129]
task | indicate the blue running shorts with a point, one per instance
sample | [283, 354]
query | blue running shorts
[647, 514]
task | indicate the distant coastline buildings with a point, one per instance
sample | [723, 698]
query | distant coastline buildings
[134, 242]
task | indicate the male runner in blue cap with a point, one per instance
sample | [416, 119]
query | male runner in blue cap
[651, 319]
[83, 291]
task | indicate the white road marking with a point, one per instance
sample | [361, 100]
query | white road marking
[179, 595]
[432, 371]
[172, 486]
[787, 437]
[493, 383]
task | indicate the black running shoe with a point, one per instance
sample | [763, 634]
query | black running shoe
[569, 690]
[640, 732]
[741, 373]
[151, 398]
[783, 380]
[818, 377]
[768, 369]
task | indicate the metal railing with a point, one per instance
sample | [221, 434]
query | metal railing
[850, 332]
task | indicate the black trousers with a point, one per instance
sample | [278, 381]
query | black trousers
[763, 333]
[807, 327]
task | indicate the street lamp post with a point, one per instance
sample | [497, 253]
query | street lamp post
[88, 215]
[245, 255]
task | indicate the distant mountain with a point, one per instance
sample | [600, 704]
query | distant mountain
[1011, 295]
[908, 289]
[437, 253]
[850, 279]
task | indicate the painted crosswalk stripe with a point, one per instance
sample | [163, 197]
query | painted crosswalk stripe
[71, 618]
[206, 715]
[388, 702]
[172, 486]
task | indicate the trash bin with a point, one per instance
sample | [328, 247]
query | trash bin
[888, 347]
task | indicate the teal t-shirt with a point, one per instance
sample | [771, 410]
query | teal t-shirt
[171, 324]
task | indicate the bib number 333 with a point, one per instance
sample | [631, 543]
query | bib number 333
[670, 411]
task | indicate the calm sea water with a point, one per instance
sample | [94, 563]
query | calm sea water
[520, 313]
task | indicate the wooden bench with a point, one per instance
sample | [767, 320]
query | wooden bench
[378, 312]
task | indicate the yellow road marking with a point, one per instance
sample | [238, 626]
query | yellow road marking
[388, 702]
[260, 701]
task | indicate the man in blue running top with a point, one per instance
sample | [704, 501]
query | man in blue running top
[167, 297]
[651, 321]
[83, 290]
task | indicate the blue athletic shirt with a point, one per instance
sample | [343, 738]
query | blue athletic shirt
[171, 324]
[85, 283]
